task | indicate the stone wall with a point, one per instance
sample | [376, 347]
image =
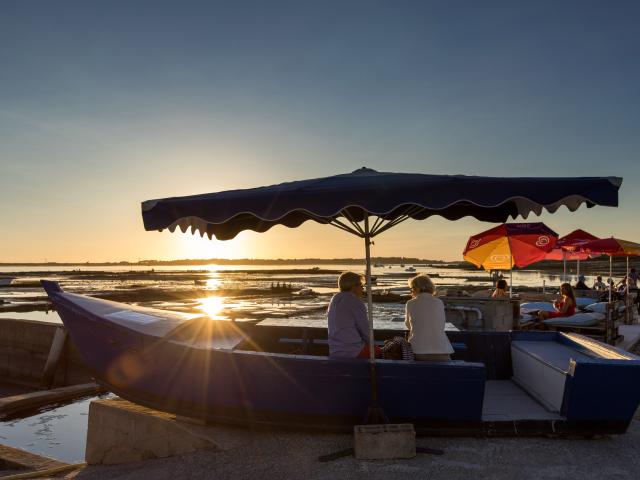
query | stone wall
[24, 348]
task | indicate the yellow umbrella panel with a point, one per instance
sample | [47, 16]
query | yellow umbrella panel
[494, 255]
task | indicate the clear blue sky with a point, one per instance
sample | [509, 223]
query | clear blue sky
[104, 104]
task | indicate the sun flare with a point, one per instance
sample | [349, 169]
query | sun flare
[212, 306]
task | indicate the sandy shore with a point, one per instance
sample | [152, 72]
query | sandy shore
[257, 455]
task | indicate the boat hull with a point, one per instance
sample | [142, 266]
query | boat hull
[259, 388]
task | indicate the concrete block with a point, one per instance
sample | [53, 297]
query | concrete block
[120, 432]
[384, 442]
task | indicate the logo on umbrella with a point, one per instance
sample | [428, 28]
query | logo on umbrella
[542, 241]
[499, 258]
[474, 243]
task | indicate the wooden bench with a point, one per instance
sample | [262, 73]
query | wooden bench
[306, 344]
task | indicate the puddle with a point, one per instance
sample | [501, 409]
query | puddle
[60, 432]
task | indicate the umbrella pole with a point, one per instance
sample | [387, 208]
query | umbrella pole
[375, 413]
[564, 266]
[510, 276]
[367, 247]
[610, 278]
[578, 268]
[627, 316]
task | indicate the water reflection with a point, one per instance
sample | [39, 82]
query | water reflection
[252, 292]
[59, 433]
[212, 306]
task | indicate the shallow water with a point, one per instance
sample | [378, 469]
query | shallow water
[239, 291]
[59, 433]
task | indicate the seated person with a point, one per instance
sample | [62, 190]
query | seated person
[347, 319]
[565, 307]
[610, 291]
[501, 289]
[633, 279]
[580, 285]
[425, 318]
[599, 285]
[621, 288]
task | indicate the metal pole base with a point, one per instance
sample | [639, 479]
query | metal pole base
[375, 416]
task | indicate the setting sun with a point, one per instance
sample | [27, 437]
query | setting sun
[212, 306]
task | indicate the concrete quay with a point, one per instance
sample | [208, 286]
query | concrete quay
[223, 452]
[244, 454]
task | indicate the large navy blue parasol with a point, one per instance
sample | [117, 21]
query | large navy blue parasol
[348, 201]
[392, 197]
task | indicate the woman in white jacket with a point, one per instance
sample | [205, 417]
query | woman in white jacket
[425, 318]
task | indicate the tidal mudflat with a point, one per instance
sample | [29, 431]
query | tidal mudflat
[242, 292]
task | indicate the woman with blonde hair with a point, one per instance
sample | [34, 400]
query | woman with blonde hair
[425, 318]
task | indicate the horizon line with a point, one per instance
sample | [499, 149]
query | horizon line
[222, 261]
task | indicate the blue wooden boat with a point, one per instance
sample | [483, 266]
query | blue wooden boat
[499, 383]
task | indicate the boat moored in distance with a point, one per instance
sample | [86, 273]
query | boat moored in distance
[258, 373]
[6, 281]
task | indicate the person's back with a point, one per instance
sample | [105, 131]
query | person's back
[347, 318]
[426, 321]
[580, 285]
[599, 285]
[501, 290]
[621, 288]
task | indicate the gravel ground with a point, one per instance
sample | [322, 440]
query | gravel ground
[257, 455]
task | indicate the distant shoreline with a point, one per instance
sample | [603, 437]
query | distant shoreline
[593, 266]
[235, 261]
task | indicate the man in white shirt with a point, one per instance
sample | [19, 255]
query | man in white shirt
[599, 285]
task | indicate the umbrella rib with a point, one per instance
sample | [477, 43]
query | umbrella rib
[381, 228]
[379, 221]
[390, 224]
[338, 224]
[348, 216]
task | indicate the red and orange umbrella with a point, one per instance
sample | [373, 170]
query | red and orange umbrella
[569, 247]
[614, 247]
[509, 245]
